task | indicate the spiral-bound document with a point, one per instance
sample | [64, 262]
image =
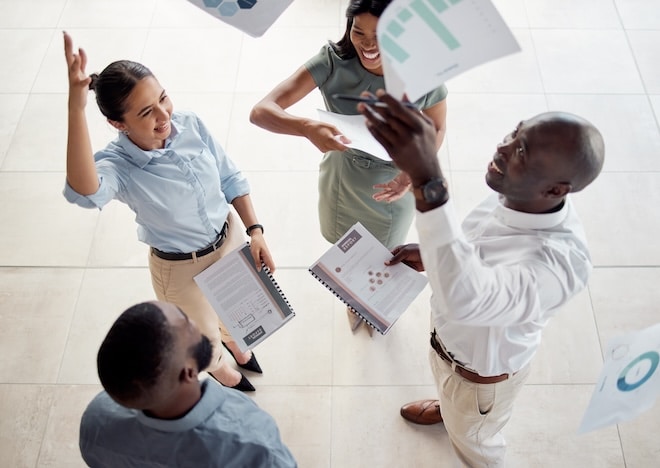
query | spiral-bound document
[250, 303]
[354, 270]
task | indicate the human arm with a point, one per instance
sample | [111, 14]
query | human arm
[399, 185]
[410, 138]
[80, 167]
[407, 254]
[270, 114]
[258, 247]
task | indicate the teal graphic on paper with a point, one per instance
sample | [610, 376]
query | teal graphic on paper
[253, 17]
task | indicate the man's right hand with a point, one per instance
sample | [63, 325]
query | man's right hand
[408, 255]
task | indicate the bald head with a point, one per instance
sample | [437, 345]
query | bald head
[577, 142]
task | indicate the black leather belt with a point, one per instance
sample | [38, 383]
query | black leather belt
[200, 253]
[462, 371]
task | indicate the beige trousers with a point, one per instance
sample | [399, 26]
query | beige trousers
[475, 414]
[173, 282]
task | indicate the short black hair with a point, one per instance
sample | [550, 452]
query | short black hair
[134, 354]
[113, 85]
[344, 47]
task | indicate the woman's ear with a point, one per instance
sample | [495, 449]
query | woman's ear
[118, 125]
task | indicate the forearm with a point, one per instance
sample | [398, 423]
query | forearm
[245, 210]
[270, 116]
[80, 167]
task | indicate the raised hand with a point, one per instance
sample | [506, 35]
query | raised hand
[408, 136]
[78, 79]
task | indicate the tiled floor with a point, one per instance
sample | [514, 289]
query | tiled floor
[65, 273]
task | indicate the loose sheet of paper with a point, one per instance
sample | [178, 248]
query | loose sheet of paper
[354, 128]
[253, 17]
[629, 382]
[423, 43]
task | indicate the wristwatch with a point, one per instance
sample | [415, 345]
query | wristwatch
[433, 191]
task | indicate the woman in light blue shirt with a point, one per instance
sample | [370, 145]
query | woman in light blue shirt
[177, 179]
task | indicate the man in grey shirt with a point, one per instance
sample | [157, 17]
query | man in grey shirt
[155, 412]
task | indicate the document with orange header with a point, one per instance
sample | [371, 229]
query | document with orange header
[249, 302]
[354, 270]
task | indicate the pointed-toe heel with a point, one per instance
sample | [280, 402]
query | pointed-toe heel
[244, 385]
[251, 365]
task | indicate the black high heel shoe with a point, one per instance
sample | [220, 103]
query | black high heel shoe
[251, 365]
[244, 385]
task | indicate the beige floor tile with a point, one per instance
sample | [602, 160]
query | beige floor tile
[624, 300]
[639, 439]
[24, 410]
[367, 429]
[107, 14]
[321, 13]
[398, 358]
[60, 444]
[513, 12]
[37, 305]
[258, 55]
[638, 14]
[566, 14]
[542, 430]
[31, 13]
[631, 239]
[300, 353]
[303, 415]
[216, 110]
[644, 45]
[586, 61]
[205, 62]
[104, 294]
[570, 349]
[115, 239]
[11, 108]
[286, 204]
[45, 230]
[21, 53]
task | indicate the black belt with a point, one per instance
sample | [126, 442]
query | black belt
[200, 253]
[462, 371]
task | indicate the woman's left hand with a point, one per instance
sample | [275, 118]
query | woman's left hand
[259, 250]
[394, 189]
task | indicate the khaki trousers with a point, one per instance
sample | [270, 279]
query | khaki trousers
[475, 414]
[173, 282]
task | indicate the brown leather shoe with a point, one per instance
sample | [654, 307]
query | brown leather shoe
[424, 412]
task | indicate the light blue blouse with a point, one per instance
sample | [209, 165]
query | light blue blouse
[180, 194]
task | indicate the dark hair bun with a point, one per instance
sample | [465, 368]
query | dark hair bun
[94, 78]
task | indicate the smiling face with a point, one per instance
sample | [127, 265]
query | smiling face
[147, 115]
[363, 38]
[532, 166]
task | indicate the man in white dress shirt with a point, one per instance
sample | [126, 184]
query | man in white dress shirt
[500, 276]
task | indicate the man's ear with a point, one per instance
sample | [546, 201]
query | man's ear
[558, 190]
[189, 373]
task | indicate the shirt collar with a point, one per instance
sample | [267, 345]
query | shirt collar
[521, 220]
[140, 157]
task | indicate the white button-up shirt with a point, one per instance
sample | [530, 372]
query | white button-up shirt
[498, 279]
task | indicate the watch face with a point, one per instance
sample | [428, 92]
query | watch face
[434, 190]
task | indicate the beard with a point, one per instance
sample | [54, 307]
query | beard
[202, 353]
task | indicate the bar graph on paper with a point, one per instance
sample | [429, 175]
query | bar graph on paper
[426, 42]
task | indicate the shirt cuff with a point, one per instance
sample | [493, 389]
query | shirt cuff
[438, 226]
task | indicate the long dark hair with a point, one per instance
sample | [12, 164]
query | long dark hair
[344, 47]
[113, 85]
